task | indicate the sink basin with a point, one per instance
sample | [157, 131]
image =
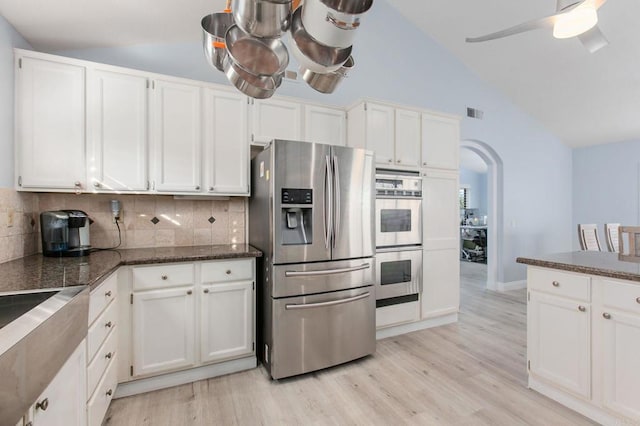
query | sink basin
[14, 306]
[38, 333]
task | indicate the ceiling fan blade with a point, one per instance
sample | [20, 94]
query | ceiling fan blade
[593, 39]
[526, 26]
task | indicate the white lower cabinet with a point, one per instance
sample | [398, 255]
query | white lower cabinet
[163, 330]
[63, 402]
[583, 341]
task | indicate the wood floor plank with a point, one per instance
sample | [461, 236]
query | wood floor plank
[469, 373]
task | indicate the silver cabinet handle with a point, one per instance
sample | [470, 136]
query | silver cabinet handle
[109, 392]
[206, 290]
[211, 188]
[189, 292]
[556, 284]
[606, 315]
[108, 356]
[330, 303]
[398, 161]
[108, 325]
[390, 160]
[107, 293]
[228, 272]
[198, 188]
[638, 299]
[43, 405]
[97, 184]
[77, 184]
[582, 308]
[325, 271]
[424, 163]
[164, 277]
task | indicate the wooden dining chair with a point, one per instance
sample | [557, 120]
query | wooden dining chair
[611, 234]
[588, 235]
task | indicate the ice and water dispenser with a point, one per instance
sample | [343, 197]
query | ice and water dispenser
[296, 222]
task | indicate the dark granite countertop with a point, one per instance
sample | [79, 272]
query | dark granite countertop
[588, 262]
[34, 273]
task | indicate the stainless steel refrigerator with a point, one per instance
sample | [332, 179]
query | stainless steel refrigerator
[311, 213]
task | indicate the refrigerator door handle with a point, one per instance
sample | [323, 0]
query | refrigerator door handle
[326, 271]
[330, 303]
[327, 210]
[336, 196]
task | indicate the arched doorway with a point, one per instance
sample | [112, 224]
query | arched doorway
[494, 210]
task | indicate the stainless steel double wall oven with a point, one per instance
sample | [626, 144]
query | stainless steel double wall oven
[398, 237]
[311, 214]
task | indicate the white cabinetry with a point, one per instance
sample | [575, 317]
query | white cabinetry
[63, 402]
[177, 134]
[275, 119]
[440, 141]
[325, 125]
[226, 142]
[392, 133]
[50, 130]
[117, 130]
[582, 343]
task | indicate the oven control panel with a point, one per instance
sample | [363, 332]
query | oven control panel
[398, 186]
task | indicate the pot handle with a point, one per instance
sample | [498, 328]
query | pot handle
[342, 24]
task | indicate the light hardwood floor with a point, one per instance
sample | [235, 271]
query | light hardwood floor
[468, 373]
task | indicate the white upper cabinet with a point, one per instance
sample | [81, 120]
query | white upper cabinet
[177, 136]
[117, 131]
[407, 138]
[275, 119]
[50, 131]
[440, 141]
[325, 125]
[226, 143]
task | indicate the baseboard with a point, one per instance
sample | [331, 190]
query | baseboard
[186, 376]
[511, 285]
[383, 333]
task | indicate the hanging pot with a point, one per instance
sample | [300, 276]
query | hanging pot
[327, 83]
[334, 22]
[262, 18]
[214, 27]
[312, 55]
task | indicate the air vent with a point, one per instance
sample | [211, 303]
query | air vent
[474, 113]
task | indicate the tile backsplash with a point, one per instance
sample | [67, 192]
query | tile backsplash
[147, 220]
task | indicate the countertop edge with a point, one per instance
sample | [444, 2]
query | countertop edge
[591, 270]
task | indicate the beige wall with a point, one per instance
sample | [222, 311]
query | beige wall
[181, 222]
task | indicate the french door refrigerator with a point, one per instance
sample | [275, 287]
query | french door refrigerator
[312, 214]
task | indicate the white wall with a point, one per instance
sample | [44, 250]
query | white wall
[9, 39]
[397, 62]
[606, 186]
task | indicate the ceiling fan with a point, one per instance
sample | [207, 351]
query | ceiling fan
[573, 18]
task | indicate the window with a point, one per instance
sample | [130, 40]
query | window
[463, 196]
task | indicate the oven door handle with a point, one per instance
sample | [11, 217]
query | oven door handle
[330, 303]
[326, 271]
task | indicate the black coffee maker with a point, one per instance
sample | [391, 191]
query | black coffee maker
[65, 233]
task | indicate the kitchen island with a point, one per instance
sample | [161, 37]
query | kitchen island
[583, 333]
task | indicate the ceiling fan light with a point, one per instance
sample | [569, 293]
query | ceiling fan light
[575, 22]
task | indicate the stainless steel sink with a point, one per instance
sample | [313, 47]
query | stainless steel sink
[38, 333]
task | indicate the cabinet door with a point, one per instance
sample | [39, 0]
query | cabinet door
[440, 282]
[177, 136]
[325, 125]
[275, 119]
[163, 330]
[559, 342]
[226, 143]
[621, 363]
[380, 132]
[117, 126]
[64, 401]
[440, 141]
[50, 133]
[226, 324]
[441, 213]
[407, 137]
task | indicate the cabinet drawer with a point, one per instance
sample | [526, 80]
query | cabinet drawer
[397, 314]
[149, 277]
[99, 402]
[101, 361]
[230, 270]
[622, 296]
[100, 329]
[102, 296]
[560, 283]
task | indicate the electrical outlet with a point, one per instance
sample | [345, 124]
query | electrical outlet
[11, 213]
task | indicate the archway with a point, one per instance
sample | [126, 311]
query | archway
[495, 239]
